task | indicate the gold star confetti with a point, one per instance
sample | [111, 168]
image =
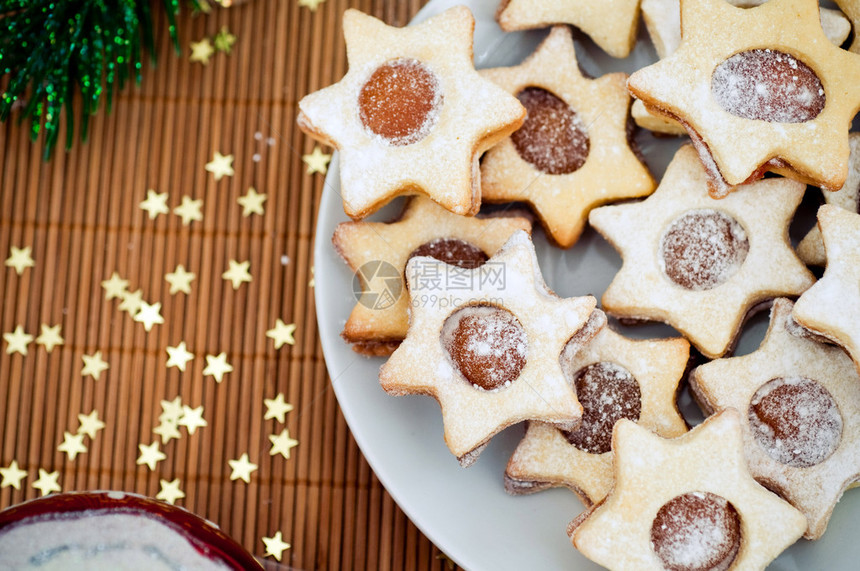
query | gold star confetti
[49, 337]
[237, 273]
[73, 444]
[251, 203]
[192, 418]
[313, 281]
[155, 204]
[178, 356]
[114, 287]
[189, 210]
[47, 482]
[20, 259]
[312, 5]
[217, 366]
[90, 424]
[131, 302]
[220, 165]
[449, 563]
[282, 334]
[150, 455]
[241, 469]
[94, 365]
[167, 430]
[170, 491]
[277, 408]
[224, 40]
[171, 410]
[201, 51]
[17, 341]
[149, 315]
[282, 443]
[317, 161]
[275, 545]
[12, 476]
[180, 280]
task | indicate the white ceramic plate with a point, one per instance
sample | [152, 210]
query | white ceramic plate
[466, 512]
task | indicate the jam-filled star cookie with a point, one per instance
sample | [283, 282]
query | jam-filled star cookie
[615, 378]
[852, 11]
[685, 503]
[572, 152]
[831, 307]
[759, 89]
[612, 24]
[800, 408]
[378, 323]
[663, 22]
[411, 116]
[811, 248]
[489, 351]
[701, 264]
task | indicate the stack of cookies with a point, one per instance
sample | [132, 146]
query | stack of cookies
[766, 94]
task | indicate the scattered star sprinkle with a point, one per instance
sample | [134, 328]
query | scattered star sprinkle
[115, 287]
[251, 203]
[47, 482]
[171, 410]
[20, 259]
[94, 365]
[90, 424]
[167, 430]
[150, 455]
[312, 5]
[155, 204]
[313, 280]
[178, 356]
[189, 210]
[237, 273]
[170, 491]
[73, 444]
[317, 161]
[12, 476]
[224, 40]
[241, 469]
[192, 418]
[49, 337]
[220, 165]
[149, 315]
[217, 366]
[131, 302]
[275, 545]
[282, 334]
[277, 408]
[17, 341]
[180, 280]
[201, 51]
[282, 444]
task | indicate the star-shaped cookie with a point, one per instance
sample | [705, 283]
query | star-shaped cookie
[612, 24]
[831, 307]
[412, 115]
[377, 325]
[756, 96]
[572, 152]
[852, 11]
[698, 263]
[811, 248]
[615, 378]
[685, 503]
[489, 353]
[800, 407]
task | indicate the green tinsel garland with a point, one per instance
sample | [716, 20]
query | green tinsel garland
[51, 49]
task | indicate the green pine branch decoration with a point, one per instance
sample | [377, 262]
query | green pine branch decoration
[51, 50]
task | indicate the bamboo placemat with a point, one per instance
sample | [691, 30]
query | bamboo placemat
[80, 216]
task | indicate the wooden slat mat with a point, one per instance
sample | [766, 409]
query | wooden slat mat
[80, 215]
